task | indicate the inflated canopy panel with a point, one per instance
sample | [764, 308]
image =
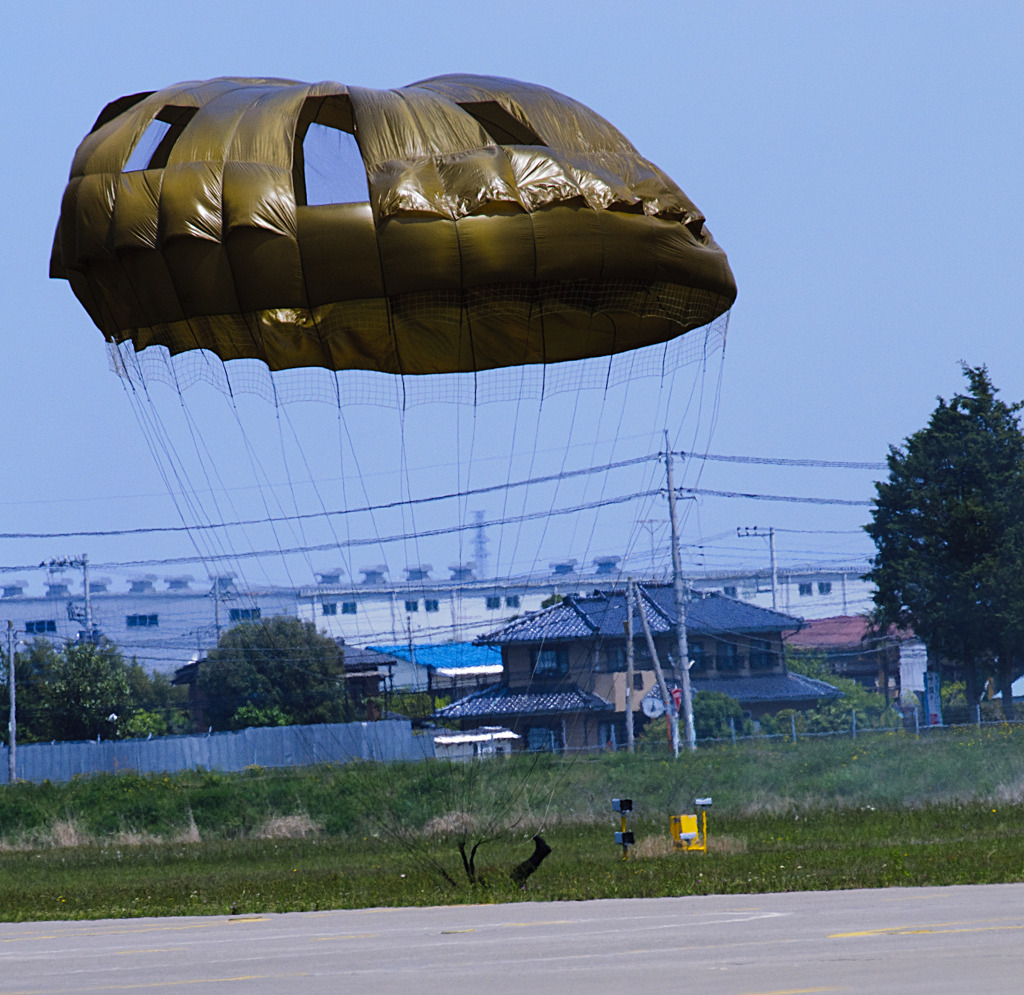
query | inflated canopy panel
[462, 223]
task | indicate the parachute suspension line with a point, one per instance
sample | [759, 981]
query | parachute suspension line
[595, 442]
[361, 477]
[328, 361]
[186, 487]
[260, 475]
[157, 436]
[715, 409]
[499, 551]
[215, 484]
[405, 485]
[536, 305]
[298, 528]
[324, 514]
[169, 472]
[554, 496]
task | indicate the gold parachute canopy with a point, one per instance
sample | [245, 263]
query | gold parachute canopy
[462, 223]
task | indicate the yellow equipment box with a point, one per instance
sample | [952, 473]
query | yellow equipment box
[685, 834]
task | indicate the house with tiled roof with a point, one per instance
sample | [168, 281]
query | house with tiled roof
[892, 661]
[563, 683]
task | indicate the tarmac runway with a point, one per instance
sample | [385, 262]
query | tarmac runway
[961, 939]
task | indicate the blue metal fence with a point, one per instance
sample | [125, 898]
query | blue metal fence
[279, 746]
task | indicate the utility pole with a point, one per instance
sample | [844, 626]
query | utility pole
[628, 625]
[671, 711]
[752, 532]
[77, 563]
[682, 667]
[12, 721]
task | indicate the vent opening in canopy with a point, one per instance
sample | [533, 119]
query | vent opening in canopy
[154, 145]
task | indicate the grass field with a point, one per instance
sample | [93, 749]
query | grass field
[872, 812]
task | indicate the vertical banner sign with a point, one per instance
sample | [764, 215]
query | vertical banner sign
[932, 702]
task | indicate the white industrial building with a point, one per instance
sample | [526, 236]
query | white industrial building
[166, 622]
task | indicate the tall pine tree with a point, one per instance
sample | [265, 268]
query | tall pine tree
[947, 526]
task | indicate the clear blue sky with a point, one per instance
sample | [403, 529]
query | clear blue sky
[860, 163]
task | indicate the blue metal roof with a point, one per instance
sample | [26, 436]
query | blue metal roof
[446, 656]
[604, 615]
[501, 700]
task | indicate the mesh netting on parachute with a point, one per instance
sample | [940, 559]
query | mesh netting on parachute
[156, 365]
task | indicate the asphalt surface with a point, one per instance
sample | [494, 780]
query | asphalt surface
[962, 939]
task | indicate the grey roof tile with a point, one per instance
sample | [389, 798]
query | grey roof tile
[605, 615]
[773, 688]
[500, 699]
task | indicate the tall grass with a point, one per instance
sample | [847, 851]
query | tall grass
[876, 811]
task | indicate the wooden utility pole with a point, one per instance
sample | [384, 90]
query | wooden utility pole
[630, 739]
[682, 668]
[671, 712]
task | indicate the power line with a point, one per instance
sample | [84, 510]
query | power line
[704, 492]
[782, 461]
[271, 519]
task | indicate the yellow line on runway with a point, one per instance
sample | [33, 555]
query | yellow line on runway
[158, 984]
[799, 991]
[75, 933]
[961, 926]
[151, 950]
[549, 922]
[346, 936]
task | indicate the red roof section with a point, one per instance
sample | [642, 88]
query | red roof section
[835, 632]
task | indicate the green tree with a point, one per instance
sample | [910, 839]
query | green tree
[81, 686]
[949, 547]
[161, 707]
[30, 679]
[271, 668]
[832, 714]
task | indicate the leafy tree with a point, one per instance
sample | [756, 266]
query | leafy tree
[70, 692]
[280, 664]
[82, 685]
[712, 711]
[161, 707]
[833, 714]
[947, 527]
[29, 674]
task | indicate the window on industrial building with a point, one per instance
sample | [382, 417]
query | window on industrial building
[330, 607]
[431, 605]
[142, 621]
[806, 590]
[412, 606]
[243, 614]
[494, 602]
[40, 626]
[348, 608]
[824, 587]
[512, 601]
[729, 592]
